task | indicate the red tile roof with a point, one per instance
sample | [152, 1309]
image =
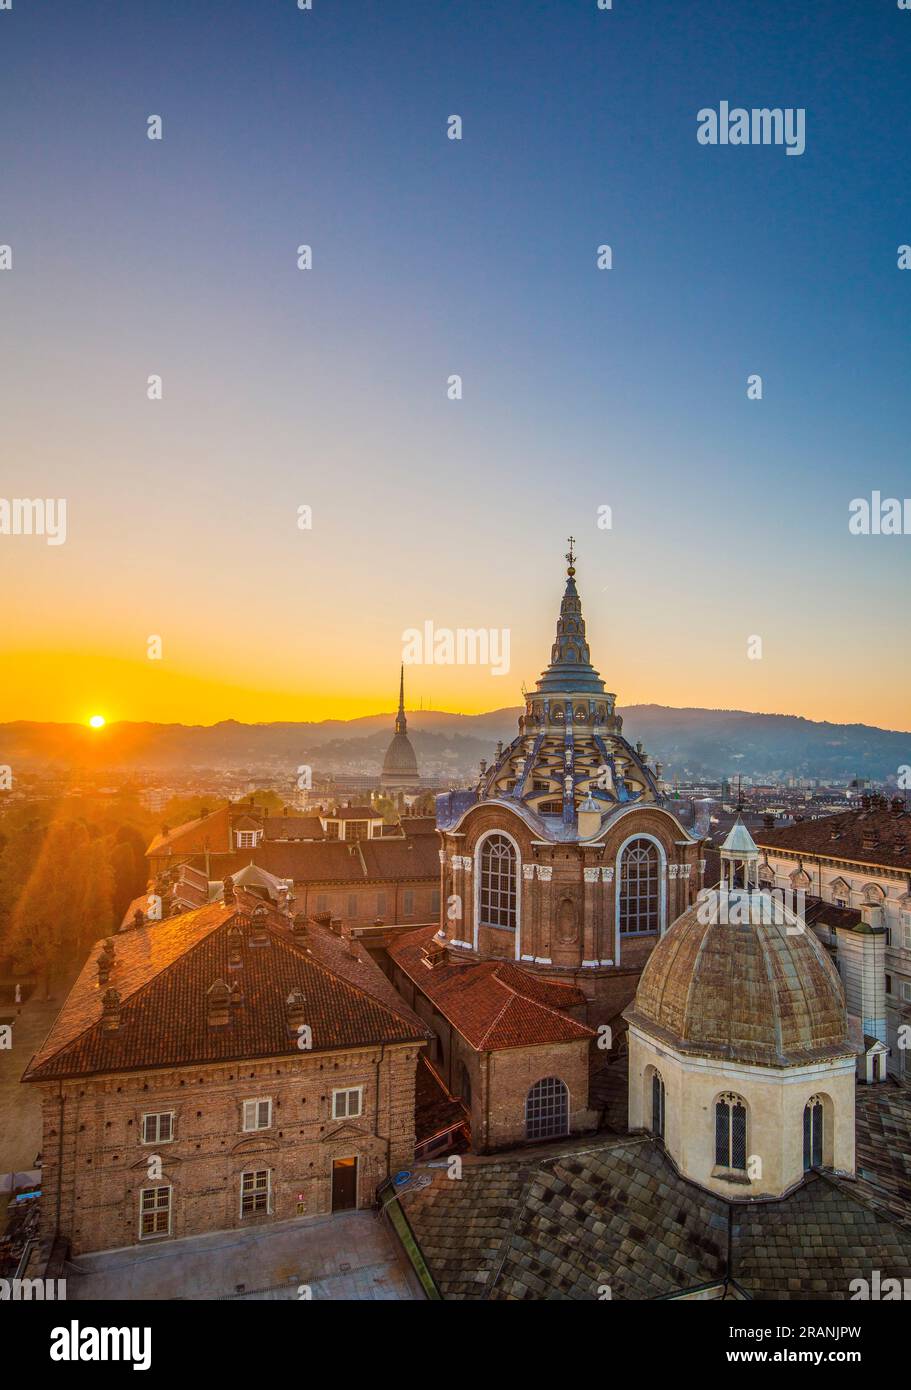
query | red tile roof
[212, 832]
[493, 1004]
[843, 836]
[163, 972]
[337, 861]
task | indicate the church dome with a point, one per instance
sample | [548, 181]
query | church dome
[761, 992]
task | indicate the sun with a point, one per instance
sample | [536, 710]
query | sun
[96, 721]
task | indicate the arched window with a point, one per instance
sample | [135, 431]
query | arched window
[640, 880]
[730, 1132]
[657, 1104]
[497, 906]
[812, 1133]
[547, 1109]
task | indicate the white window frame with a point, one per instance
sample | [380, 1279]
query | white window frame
[906, 928]
[158, 1187]
[158, 1116]
[247, 839]
[256, 1101]
[347, 1091]
[256, 1191]
[906, 991]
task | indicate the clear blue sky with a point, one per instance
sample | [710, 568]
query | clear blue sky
[433, 257]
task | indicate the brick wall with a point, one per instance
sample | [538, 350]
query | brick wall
[103, 1165]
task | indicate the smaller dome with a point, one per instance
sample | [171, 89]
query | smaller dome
[754, 992]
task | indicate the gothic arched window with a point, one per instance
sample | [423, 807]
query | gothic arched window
[730, 1132]
[640, 883]
[657, 1104]
[812, 1134]
[547, 1109]
[497, 904]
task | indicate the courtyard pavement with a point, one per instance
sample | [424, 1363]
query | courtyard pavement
[351, 1256]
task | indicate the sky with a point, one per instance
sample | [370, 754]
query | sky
[328, 388]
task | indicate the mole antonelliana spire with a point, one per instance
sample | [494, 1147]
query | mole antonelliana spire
[400, 766]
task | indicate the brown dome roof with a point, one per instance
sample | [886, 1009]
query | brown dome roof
[746, 993]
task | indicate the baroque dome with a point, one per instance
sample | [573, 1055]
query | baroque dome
[570, 752]
[762, 991]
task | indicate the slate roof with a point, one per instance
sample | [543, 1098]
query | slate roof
[493, 1004]
[561, 1223]
[163, 972]
[842, 837]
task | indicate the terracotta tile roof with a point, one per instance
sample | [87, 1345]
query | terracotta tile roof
[336, 861]
[212, 832]
[493, 1004]
[842, 836]
[883, 1153]
[560, 1225]
[163, 972]
[435, 1110]
[293, 828]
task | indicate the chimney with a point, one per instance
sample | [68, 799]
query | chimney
[335, 924]
[229, 891]
[258, 919]
[236, 995]
[296, 1010]
[138, 917]
[235, 948]
[299, 926]
[110, 1011]
[105, 961]
[871, 839]
[768, 821]
[218, 1004]
[898, 806]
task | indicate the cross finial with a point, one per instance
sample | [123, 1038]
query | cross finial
[571, 554]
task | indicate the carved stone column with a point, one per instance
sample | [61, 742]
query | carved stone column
[528, 946]
[592, 877]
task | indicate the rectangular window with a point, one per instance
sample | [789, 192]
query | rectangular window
[331, 829]
[381, 904]
[154, 1212]
[257, 1114]
[906, 992]
[158, 1128]
[255, 1192]
[322, 902]
[352, 905]
[906, 930]
[246, 839]
[357, 830]
[346, 1105]
[888, 984]
[408, 902]
[435, 903]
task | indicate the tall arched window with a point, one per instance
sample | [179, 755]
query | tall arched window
[547, 1109]
[497, 904]
[657, 1104]
[812, 1134]
[730, 1132]
[640, 883]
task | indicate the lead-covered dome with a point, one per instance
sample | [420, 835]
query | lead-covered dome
[762, 992]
